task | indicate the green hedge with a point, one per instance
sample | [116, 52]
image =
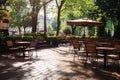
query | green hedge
[14, 38]
[35, 35]
[51, 38]
[27, 38]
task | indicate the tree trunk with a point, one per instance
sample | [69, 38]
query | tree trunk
[58, 22]
[101, 30]
[34, 23]
[24, 29]
[19, 29]
[58, 17]
[35, 11]
[45, 19]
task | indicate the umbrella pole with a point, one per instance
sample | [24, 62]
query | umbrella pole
[84, 33]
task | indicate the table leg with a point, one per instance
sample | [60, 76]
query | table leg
[105, 59]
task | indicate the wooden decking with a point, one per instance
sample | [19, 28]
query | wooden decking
[52, 64]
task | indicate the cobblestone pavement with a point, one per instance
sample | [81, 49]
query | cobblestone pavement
[51, 64]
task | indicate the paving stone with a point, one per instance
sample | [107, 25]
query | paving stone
[51, 64]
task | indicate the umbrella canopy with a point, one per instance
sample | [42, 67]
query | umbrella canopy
[84, 22]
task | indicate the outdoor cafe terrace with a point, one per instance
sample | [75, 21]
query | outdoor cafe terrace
[56, 53]
[77, 59]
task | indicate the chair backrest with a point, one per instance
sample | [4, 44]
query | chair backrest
[76, 45]
[9, 43]
[33, 43]
[90, 47]
[114, 42]
[117, 46]
[117, 50]
[71, 42]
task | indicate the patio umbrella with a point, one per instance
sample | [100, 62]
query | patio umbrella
[83, 22]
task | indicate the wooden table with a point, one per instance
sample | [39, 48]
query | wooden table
[104, 43]
[23, 44]
[105, 52]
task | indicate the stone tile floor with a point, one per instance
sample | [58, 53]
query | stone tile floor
[52, 64]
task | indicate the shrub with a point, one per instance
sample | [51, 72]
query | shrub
[27, 38]
[53, 40]
[35, 35]
[9, 38]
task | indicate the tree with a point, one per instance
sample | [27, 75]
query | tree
[44, 7]
[36, 5]
[26, 21]
[111, 9]
[76, 9]
[45, 2]
[59, 4]
[17, 13]
[24, 17]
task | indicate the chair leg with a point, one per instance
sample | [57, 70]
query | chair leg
[30, 53]
[74, 56]
[36, 53]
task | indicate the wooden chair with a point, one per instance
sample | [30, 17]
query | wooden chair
[32, 47]
[12, 49]
[77, 51]
[92, 53]
[70, 50]
[91, 50]
[115, 56]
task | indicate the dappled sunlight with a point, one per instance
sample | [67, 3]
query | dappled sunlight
[51, 64]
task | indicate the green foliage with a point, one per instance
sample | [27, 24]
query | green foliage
[27, 38]
[9, 38]
[14, 38]
[54, 24]
[67, 31]
[111, 9]
[34, 35]
[117, 32]
[50, 31]
[20, 14]
[73, 37]
[17, 38]
[75, 9]
[2, 39]
[53, 38]
[72, 9]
